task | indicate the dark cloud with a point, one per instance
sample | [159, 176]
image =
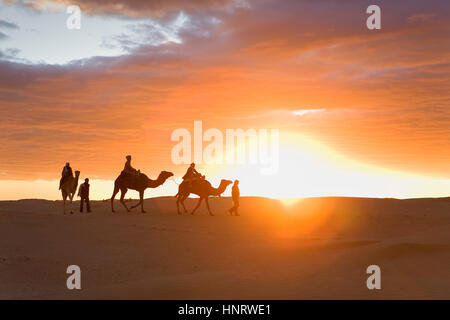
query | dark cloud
[139, 8]
[9, 25]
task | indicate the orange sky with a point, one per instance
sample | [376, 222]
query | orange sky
[383, 95]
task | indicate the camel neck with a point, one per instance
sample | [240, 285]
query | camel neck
[219, 190]
[155, 183]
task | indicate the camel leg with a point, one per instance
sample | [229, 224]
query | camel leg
[198, 205]
[122, 195]
[207, 205]
[132, 207]
[180, 199]
[64, 203]
[141, 198]
[141, 202]
[116, 190]
[71, 199]
[182, 202]
[178, 204]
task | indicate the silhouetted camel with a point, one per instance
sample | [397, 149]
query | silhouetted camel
[68, 189]
[203, 189]
[139, 183]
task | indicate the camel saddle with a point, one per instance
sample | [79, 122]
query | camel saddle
[134, 177]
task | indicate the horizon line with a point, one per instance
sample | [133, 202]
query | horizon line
[269, 198]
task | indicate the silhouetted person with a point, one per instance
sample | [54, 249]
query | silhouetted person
[191, 174]
[128, 168]
[235, 194]
[83, 193]
[66, 172]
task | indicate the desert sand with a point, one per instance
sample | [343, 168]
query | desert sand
[317, 248]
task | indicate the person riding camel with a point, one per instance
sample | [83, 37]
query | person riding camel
[128, 168]
[66, 172]
[192, 174]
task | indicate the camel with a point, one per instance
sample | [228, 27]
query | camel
[139, 183]
[68, 189]
[203, 189]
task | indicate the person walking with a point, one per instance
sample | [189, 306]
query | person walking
[235, 194]
[83, 193]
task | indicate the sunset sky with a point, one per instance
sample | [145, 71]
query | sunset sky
[360, 112]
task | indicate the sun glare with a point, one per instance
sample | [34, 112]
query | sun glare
[290, 201]
[307, 168]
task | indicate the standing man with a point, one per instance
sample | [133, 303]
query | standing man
[235, 194]
[83, 193]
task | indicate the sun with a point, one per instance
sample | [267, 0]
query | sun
[308, 168]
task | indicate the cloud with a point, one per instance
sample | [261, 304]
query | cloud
[303, 112]
[421, 17]
[137, 8]
[8, 25]
[385, 93]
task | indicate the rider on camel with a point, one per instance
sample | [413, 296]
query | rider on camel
[192, 174]
[128, 168]
[66, 173]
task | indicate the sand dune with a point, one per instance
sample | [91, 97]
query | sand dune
[311, 248]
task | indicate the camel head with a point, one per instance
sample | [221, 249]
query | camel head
[225, 182]
[164, 175]
[77, 173]
[223, 186]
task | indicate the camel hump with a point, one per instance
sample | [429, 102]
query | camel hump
[126, 173]
[198, 183]
[129, 175]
